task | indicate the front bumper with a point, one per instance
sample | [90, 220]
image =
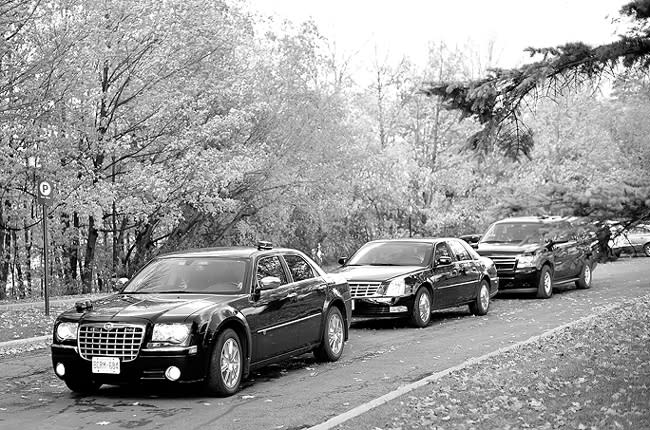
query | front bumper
[376, 307]
[149, 365]
[520, 280]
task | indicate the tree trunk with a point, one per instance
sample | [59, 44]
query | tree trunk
[89, 257]
[71, 254]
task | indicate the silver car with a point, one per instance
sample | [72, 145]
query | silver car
[635, 240]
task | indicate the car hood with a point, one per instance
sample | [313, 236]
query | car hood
[376, 273]
[147, 306]
[488, 249]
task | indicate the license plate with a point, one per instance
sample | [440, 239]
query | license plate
[110, 365]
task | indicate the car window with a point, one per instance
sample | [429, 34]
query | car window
[271, 266]
[392, 253]
[473, 255]
[441, 251]
[300, 269]
[459, 250]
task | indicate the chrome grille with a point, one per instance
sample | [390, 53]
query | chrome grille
[504, 263]
[363, 289]
[110, 340]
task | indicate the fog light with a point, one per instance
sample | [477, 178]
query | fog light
[60, 369]
[173, 373]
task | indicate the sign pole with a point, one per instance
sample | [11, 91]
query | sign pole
[44, 197]
[45, 253]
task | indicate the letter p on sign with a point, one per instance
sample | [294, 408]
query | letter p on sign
[45, 192]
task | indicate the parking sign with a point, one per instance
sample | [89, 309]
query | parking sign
[45, 191]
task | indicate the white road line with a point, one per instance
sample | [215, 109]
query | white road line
[361, 409]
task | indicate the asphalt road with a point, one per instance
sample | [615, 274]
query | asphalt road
[380, 357]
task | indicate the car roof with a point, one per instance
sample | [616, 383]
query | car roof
[534, 219]
[228, 252]
[432, 240]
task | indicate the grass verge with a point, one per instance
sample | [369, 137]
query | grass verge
[594, 375]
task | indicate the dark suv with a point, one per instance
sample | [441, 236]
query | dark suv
[534, 253]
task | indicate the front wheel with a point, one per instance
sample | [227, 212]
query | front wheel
[226, 364]
[481, 305]
[545, 283]
[331, 346]
[421, 312]
[585, 277]
[646, 249]
[81, 384]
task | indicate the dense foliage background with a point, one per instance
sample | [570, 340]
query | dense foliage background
[183, 123]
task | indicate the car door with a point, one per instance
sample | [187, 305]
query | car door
[311, 292]
[274, 313]
[445, 277]
[468, 274]
[566, 254]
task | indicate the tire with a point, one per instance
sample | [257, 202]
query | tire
[585, 277]
[332, 340]
[82, 384]
[646, 249]
[421, 311]
[545, 283]
[226, 365]
[481, 305]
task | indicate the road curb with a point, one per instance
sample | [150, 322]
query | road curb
[12, 347]
[361, 409]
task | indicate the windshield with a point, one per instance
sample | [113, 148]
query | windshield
[519, 233]
[392, 254]
[190, 275]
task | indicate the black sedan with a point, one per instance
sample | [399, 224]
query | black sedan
[207, 315]
[411, 277]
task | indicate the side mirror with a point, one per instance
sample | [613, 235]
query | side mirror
[269, 283]
[343, 260]
[443, 261]
[119, 283]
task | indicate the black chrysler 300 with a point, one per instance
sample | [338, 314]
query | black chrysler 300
[411, 277]
[208, 315]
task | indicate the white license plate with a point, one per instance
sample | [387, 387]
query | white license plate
[110, 365]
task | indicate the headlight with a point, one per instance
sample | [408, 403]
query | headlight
[526, 261]
[396, 287]
[66, 331]
[171, 333]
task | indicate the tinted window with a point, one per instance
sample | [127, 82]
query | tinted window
[271, 266]
[459, 250]
[515, 232]
[442, 251]
[189, 275]
[299, 268]
[393, 254]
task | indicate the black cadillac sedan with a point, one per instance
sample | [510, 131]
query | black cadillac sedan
[412, 277]
[208, 315]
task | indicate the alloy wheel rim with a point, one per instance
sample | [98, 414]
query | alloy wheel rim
[335, 333]
[587, 275]
[424, 306]
[484, 297]
[230, 363]
[547, 283]
[647, 250]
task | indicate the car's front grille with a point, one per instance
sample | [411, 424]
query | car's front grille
[504, 263]
[110, 340]
[363, 289]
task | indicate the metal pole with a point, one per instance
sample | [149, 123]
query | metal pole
[45, 292]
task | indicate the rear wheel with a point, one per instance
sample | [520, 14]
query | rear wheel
[482, 303]
[545, 283]
[646, 249]
[585, 276]
[421, 312]
[226, 364]
[82, 384]
[331, 346]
